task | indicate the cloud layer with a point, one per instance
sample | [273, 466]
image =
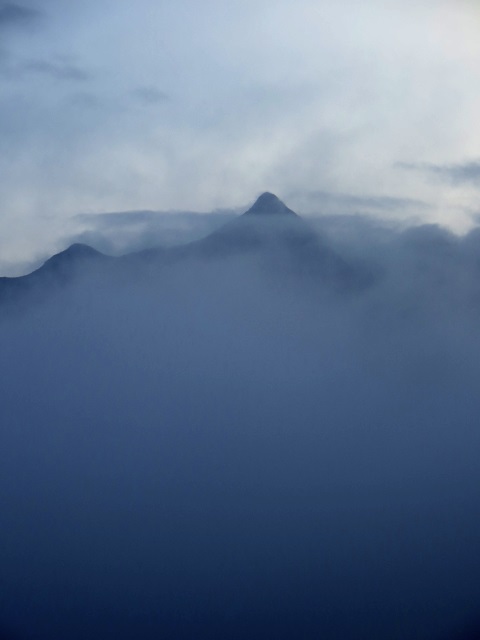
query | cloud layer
[229, 447]
[299, 98]
[16, 15]
[458, 174]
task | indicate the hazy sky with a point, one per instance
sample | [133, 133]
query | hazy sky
[335, 106]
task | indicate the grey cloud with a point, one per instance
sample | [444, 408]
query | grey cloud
[456, 173]
[16, 15]
[119, 218]
[4, 56]
[85, 100]
[475, 216]
[59, 69]
[241, 447]
[177, 219]
[329, 201]
[127, 231]
[149, 95]
[357, 235]
[236, 99]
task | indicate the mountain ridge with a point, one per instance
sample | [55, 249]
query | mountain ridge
[269, 231]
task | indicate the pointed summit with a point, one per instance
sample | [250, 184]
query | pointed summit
[269, 204]
[268, 225]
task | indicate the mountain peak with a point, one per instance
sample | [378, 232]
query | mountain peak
[269, 204]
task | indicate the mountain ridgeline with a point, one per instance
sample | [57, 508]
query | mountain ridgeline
[253, 435]
[270, 234]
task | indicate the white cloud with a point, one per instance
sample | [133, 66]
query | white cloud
[262, 95]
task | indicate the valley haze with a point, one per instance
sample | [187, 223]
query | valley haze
[270, 431]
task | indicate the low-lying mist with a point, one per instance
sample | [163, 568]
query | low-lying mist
[215, 449]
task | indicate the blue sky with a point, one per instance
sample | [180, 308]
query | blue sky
[178, 105]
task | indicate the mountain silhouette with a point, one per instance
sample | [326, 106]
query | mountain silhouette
[55, 272]
[271, 233]
[268, 222]
[269, 204]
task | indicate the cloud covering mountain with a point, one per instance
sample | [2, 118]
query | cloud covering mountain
[106, 106]
[259, 441]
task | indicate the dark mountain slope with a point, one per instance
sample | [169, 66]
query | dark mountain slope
[267, 223]
[269, 233]
[285, 242]
[57, 271]
[273, 237]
